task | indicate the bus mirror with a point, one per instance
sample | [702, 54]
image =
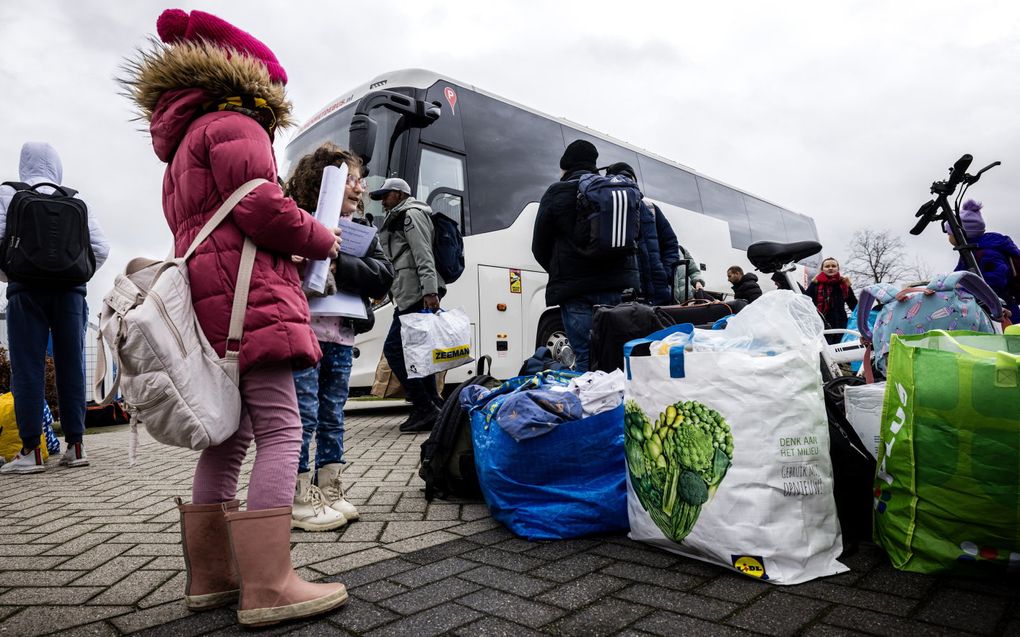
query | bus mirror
[362, 138]
[433, 111]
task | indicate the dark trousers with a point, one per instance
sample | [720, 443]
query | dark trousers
[420, 391]
[32, 315]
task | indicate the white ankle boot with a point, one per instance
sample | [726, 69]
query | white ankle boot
[310, 511]
[332, 487]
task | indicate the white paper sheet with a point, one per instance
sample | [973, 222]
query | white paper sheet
[356, 238]
[339, 304]
[331, 198]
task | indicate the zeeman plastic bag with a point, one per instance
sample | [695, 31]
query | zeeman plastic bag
[10, 441]
[567, 482]
[728, 454]
[434, 342]
[947, 490]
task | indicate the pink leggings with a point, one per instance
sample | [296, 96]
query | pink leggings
[269, 415]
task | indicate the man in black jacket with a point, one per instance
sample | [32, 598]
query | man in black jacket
[576, 282]
[745, 286]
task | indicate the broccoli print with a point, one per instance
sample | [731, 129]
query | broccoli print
[677, 462]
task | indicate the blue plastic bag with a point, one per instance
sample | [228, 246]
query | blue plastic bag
[52, 442]
[568, 482]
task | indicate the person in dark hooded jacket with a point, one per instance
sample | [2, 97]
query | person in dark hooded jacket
[577, 283]
[995, 255]
[745, 286]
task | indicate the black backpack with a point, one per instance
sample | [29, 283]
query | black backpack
[853, 468]
[47, 241]
[608, 215]
[447, 457]
[447, 245]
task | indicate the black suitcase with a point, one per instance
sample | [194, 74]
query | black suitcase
[701, 313]
[613, 325]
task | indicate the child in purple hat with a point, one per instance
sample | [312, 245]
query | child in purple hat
[997, 256]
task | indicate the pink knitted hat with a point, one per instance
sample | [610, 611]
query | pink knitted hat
[175, 25]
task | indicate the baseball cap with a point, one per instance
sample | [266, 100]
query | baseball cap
[393, 183]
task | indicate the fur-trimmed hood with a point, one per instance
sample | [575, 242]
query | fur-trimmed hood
[171, 83]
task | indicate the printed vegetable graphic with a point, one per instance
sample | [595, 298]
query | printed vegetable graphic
[677, 462]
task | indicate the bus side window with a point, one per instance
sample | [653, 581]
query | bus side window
[441, 184]
[766, 220]
[724, 203]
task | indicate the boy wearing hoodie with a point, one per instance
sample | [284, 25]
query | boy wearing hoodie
[34, 311]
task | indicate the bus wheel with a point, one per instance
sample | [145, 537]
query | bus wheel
[552, 335]
[550, 332]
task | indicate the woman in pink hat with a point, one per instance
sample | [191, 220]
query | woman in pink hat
[214, 97]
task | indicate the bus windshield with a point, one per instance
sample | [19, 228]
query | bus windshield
[336, 129]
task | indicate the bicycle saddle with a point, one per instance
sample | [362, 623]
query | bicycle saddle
[770, 256]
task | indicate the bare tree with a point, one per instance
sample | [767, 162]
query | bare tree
[875, 257]
[918, 271]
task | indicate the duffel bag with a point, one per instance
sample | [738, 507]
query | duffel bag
[699, 311]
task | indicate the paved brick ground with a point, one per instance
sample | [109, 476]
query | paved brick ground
[95, 552]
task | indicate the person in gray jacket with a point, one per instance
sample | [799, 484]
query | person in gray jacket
[687, 278]
[406, 237]
[35, 311]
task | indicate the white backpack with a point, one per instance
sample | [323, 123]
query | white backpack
[171, 379]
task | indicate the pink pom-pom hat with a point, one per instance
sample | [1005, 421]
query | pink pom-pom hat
[175, 25]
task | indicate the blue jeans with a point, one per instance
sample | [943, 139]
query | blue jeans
[577, 317]
[422, 392]
[321, 394]
[32, 315]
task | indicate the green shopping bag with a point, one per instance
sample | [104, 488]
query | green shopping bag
[947, 489]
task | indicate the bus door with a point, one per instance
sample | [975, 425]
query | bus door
[501, 318]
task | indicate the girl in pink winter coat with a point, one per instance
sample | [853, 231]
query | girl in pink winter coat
[214, 97]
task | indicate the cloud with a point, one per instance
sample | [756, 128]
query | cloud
[844, 111]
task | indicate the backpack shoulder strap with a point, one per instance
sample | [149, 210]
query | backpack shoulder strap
[17, 185]
[973, 284]
[221, 213]
[240, 304]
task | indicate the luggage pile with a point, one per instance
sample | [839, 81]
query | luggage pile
[727, 447]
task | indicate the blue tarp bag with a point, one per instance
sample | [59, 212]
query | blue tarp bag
[565, 483]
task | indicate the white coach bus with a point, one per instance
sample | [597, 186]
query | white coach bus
[485, 162]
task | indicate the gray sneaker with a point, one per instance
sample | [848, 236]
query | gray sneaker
[74, 456]
[30, 462]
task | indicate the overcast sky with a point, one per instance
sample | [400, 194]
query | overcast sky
[845, 111]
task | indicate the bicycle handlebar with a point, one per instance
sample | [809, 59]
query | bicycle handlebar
[958, 172]
[970, 180]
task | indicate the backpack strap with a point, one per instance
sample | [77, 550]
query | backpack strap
[879, 292]
[882, 293]
[972, 283]
[20, 186]
[221, 213]
[244, 269]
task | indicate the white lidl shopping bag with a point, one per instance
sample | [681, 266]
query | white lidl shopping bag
[728, 458]
[434, 342]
